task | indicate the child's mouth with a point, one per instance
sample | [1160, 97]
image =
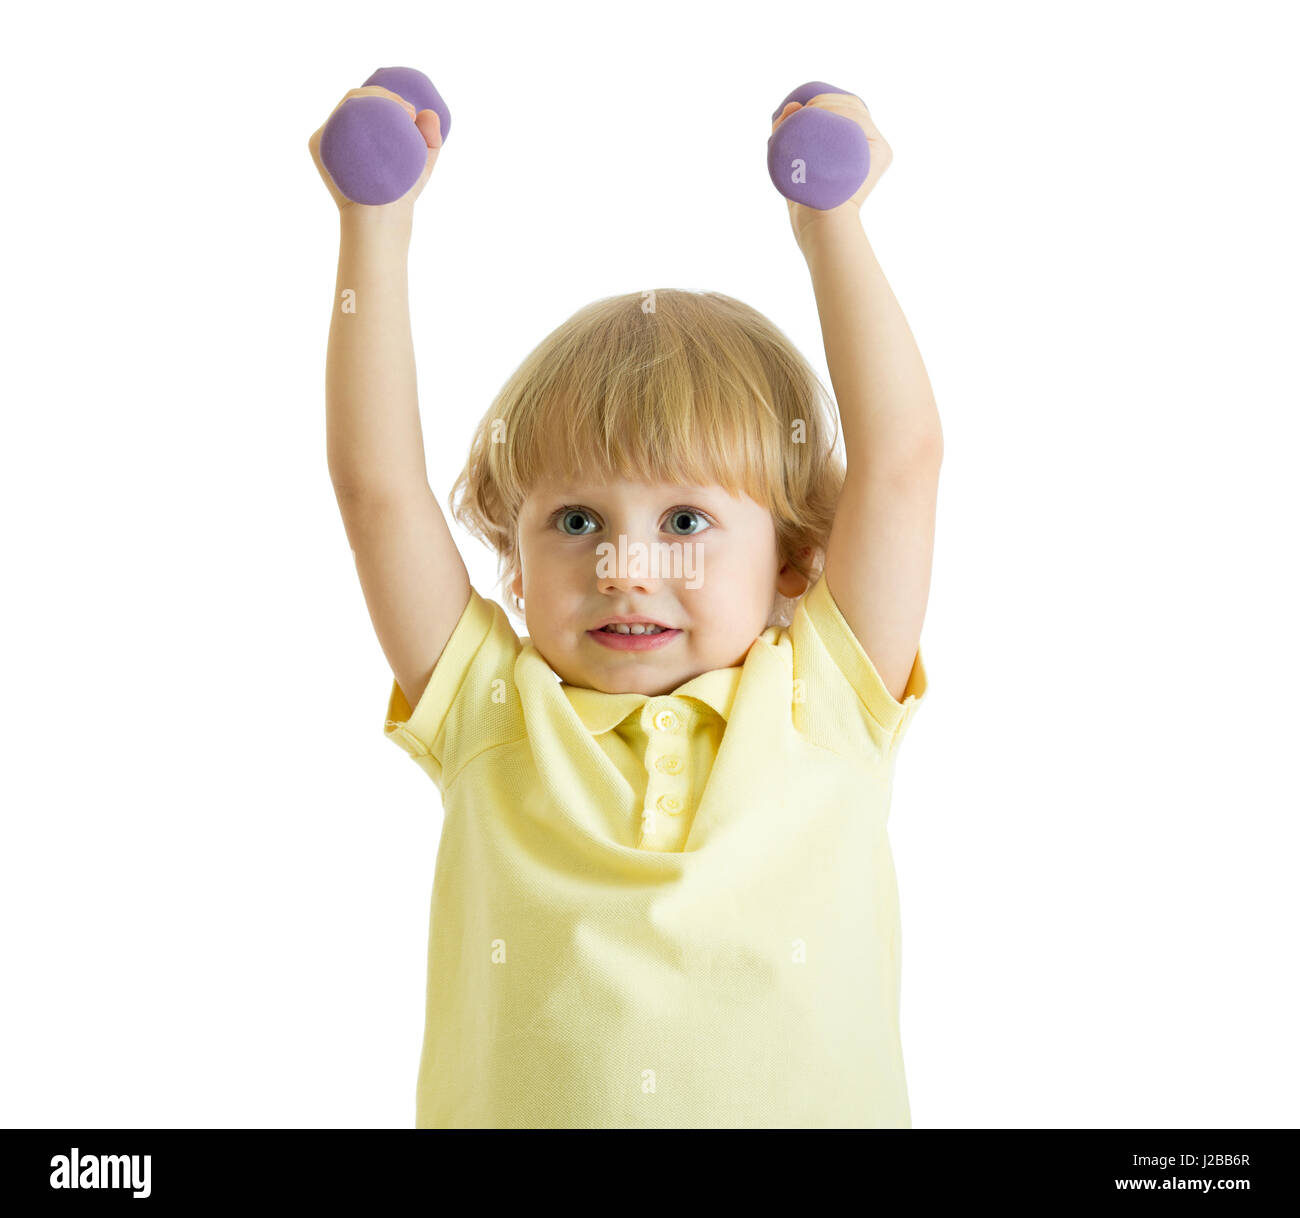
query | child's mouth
[633, 642]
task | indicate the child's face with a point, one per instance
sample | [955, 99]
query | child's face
[693, 558]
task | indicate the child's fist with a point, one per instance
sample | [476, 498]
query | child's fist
[847, 106]
[426, 122]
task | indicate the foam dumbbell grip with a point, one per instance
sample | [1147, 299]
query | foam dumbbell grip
[370, 146]
[815, 157]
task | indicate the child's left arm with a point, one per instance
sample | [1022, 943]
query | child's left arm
[881, 547]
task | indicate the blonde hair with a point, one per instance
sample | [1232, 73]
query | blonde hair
[671, 386]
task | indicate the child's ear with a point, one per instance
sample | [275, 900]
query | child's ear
[790, 582]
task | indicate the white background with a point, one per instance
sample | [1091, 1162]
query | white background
[216, 871]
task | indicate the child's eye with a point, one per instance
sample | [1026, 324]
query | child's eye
[566, 514]
[678, 514]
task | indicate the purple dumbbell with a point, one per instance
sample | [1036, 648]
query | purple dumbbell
[815, 157]
[372, 149]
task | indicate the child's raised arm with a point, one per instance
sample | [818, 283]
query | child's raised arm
[413, 577]
[881, 546]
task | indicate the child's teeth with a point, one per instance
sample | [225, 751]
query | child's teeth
[636, 628]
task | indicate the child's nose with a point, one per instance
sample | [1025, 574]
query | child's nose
[639, 582]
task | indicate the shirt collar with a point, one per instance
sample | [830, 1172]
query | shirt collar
[601, 711]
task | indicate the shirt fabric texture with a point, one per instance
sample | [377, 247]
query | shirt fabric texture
[673, 911]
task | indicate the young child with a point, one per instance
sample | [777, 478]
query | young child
[664, 894]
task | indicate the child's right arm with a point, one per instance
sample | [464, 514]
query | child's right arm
[412, 575]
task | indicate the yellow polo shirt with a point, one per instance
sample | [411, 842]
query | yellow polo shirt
[672, 911]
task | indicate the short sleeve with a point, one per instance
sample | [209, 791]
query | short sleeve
[847, 701]
[470, 703]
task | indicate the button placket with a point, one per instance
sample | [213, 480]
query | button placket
[667, 788]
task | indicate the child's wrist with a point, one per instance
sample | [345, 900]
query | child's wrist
[390, 224]
[829, 227]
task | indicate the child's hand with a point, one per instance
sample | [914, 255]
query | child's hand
[426, 122]
[802, 218]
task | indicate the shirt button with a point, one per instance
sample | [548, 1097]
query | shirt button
[669, 765]
[669, 803]
[666, 721]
